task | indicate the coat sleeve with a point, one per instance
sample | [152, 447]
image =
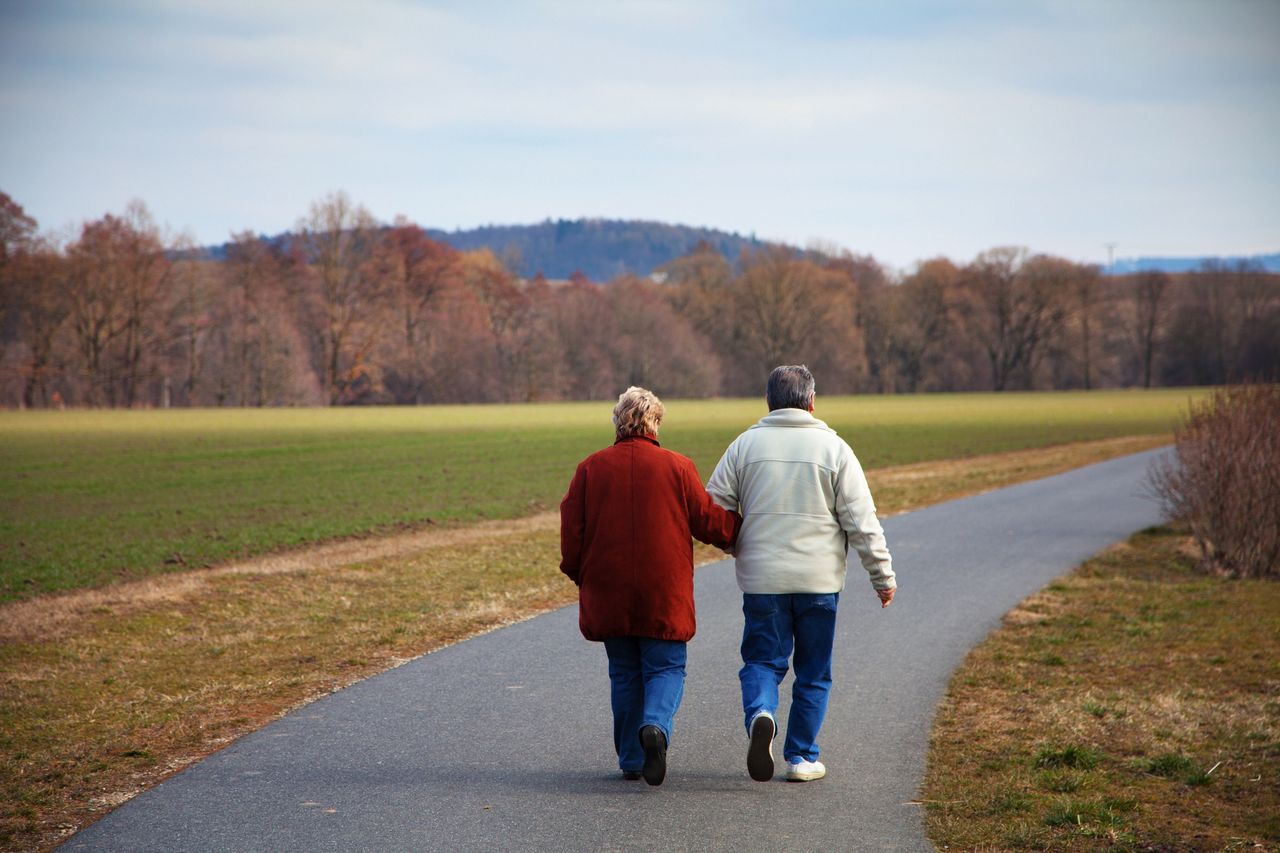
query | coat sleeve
[573, 525]
[708, 522]
[857, 513]
[723, 485]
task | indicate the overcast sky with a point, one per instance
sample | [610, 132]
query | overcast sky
[899, 129]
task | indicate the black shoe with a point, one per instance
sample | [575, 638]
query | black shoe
[655, 754]
[631, 775]
[760, 752]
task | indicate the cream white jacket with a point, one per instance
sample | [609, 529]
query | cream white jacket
[804, 502]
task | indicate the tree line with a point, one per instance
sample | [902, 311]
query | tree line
[350, 311]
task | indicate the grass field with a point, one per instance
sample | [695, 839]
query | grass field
[1130, 705]
[93, 497]
[104, 692]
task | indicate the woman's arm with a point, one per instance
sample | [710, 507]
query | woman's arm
[573, 523]
[708, 521]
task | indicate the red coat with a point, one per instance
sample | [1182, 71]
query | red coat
[624, 539]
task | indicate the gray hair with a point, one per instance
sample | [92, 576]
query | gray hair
[639, 412]
[790, 386]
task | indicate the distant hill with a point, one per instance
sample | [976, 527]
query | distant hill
[599, 248]
[1124, 266]
[602, 249]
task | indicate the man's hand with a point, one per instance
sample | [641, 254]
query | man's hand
[886, 596]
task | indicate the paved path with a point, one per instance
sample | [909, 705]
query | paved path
[503, 742]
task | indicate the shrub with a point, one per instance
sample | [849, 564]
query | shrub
[1224, 480]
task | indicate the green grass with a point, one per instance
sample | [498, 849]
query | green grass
[91, 497]
[1076, 757]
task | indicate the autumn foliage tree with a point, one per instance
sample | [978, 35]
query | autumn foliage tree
[419, 275]
[345, 310]
[118, 270]
[919, 316]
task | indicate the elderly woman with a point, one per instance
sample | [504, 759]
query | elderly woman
[625, 529]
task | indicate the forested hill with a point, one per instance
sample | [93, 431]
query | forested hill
[1125, 266]
[602, 249]
[599, 248]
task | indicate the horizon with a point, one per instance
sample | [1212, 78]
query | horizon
[902, 133]
[1116, 261]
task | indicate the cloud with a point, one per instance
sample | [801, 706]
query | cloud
[1064, 122]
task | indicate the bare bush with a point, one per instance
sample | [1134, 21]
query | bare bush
[1224, 480]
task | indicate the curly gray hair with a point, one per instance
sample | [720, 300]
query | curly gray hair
[639, 412]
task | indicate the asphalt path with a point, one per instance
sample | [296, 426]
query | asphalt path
[503, 742]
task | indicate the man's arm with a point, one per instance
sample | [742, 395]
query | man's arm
[723, 485]
[857, 514]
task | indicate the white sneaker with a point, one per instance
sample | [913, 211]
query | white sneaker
[760, 752]
[799, 770]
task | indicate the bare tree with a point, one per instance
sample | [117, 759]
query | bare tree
[338, 238]
[870, 311]
[920, 311]
[42, 310]
[255, 339]
[116, 286]
[1148, 293]
[654, 346]
[588, 334]
[1085, 292]
[146, 268]
[1013, 306]
[776, 308]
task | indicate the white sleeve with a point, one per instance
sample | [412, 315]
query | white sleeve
[857, 513]
[723, 485]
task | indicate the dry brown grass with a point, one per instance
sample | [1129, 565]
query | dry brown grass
[126, 695]
[53, 617]
[1133, 704]
[105, 692]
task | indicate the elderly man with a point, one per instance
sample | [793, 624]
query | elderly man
[804, 501]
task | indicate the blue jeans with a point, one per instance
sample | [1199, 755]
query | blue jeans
[774, 626]
[647, 681]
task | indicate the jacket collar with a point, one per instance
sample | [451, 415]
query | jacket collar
[652, 439]
[790, 418]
